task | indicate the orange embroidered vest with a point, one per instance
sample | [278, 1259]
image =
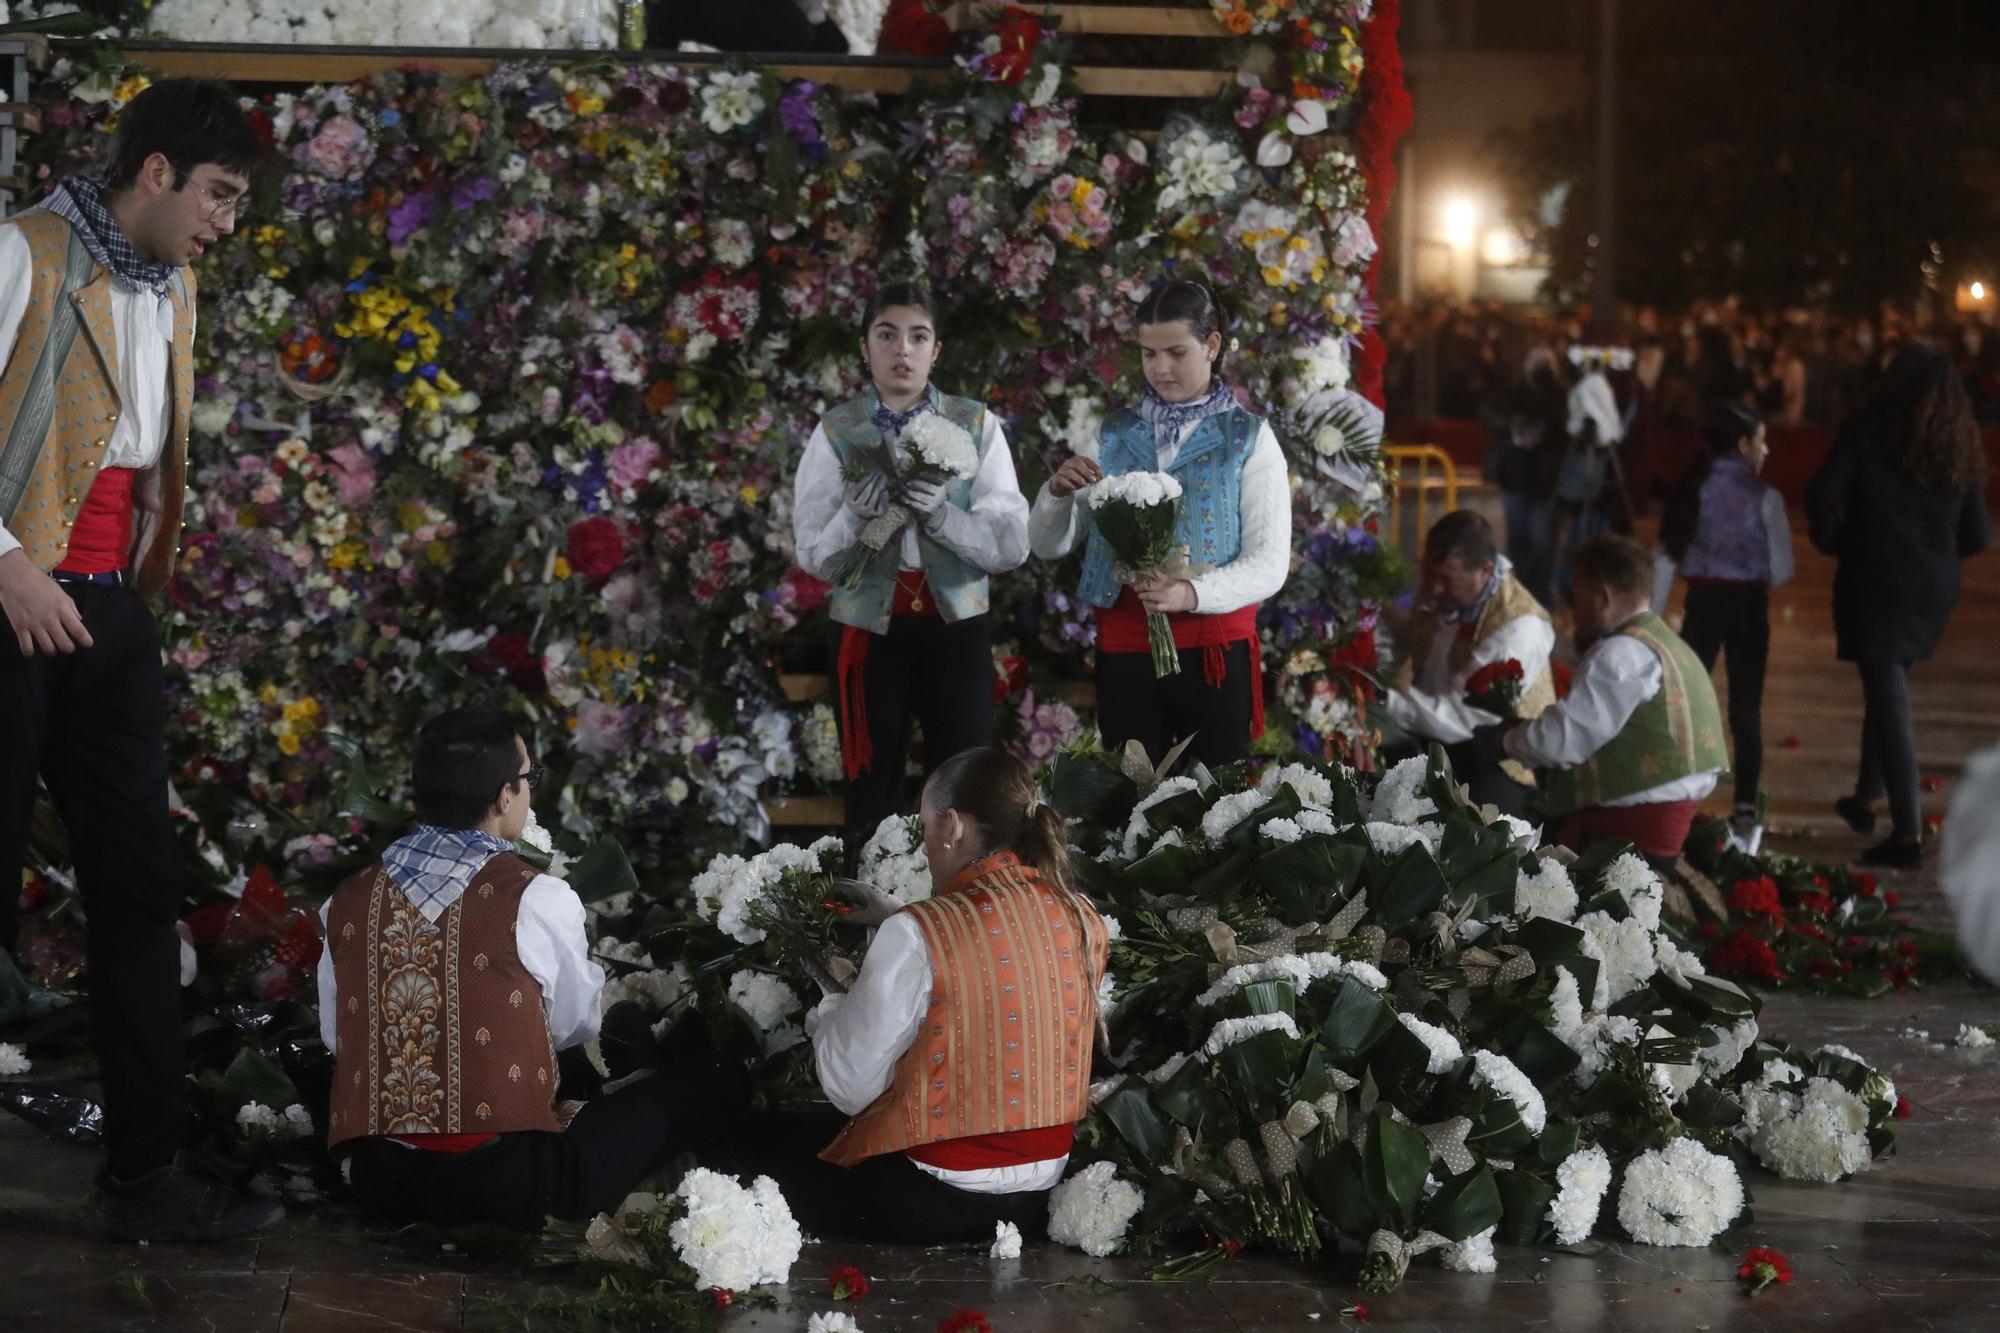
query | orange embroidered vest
[1005, 1046]
[441, 1028]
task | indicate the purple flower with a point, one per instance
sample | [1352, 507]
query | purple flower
[470, 190]
[411, 216]
[795, 113]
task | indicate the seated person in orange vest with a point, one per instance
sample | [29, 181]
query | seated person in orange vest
[452, 974]
[1473, 612]
[1637, 744]
[963, 1050]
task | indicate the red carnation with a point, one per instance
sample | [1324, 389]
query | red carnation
[1816, 902]
[522, 664]
[722, 1297]
[964, 1321]
[1891, 898]
[1865, 882]
[1762, 1267]
[596, 548]
[847, 1283]
[1756, 897]
[1902, 1108]
[1744, 955]
[1496, 687]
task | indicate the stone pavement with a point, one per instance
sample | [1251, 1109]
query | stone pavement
[1912, 1244]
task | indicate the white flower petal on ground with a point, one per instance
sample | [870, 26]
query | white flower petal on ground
[1006, 1241]
[833, 1321]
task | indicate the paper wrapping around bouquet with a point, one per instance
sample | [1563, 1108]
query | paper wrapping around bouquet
[1447, 1141]
[1400, 1251]
[1347, 918]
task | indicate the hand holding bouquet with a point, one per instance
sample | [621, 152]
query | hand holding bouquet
[1496, 687]
[933, 451]
[1138, 513]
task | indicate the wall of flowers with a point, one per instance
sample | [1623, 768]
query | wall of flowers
[501, 389]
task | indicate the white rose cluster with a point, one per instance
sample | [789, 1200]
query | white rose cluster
[1093, 1209]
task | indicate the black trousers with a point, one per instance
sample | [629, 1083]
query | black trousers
[937, 673]
[1889, 743]
[520, 1178]
[92, 725]
[1734, 619]
[1485, 783]
[887, 1198]
[1160, 712]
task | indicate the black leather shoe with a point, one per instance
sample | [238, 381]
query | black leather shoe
[1860, 816]
[1894, 854]
[173, 1203]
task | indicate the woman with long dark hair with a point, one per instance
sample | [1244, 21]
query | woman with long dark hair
[959, 1064]
[1900, 500]
[1235, 523]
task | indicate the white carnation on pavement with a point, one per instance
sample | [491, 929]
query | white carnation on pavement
[1821, 1135]
[833, 1321]
[1092, 1209]
[13, 1060]
[1582, 1179]
[1006, 1241]
[1474, 1254]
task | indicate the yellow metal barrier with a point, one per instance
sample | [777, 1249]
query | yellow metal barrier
[1435, 471]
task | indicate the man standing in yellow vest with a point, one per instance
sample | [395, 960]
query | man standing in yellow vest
[97, 332]
[1637, 744]
[1473, 611]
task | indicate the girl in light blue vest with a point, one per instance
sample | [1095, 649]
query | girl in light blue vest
[916, 637]
[1235, 521]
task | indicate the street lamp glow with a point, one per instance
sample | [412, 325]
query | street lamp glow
[1461, 219]
[1979, 291]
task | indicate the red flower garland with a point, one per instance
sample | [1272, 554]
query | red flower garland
[1386, 114]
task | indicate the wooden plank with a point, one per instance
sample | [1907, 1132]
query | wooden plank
[329, 64]
[24, 116]
[799, 688]
[1104, 20]
[806, 811]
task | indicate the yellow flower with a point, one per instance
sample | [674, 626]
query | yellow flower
[1274, 276]
[748, 494]
[268, 694]
[288, 743]
[130, 88]
[561, 573]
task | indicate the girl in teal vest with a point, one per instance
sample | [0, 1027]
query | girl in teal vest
[1235, 521]
[916, 637]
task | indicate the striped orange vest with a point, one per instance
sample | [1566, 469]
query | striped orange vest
[441, 1028]
[1006, 1044]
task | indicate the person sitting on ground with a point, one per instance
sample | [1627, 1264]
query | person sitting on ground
[963, 1051]
[452, 974]
[1637, 743]
[1473, 611]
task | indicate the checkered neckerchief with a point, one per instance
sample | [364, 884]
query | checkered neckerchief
[433, 866]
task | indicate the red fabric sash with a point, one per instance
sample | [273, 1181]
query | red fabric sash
[1121, 628]
[1657, 828]
[983, 1152]
[101, 540]
[453, 1143]
[912, 600]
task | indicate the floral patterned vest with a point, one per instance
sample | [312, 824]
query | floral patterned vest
[1509, 602]
[1209, 468]
[441, 1028]
[1006, 1043]
[959, 586]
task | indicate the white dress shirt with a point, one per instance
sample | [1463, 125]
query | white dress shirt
[992, 534]
[549, 937]
[1970, 848]
[1260, 568]
[1617, 675]
[1433, 704]
[858, 1038]
[143, 326]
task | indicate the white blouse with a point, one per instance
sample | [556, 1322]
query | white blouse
[1260, 568]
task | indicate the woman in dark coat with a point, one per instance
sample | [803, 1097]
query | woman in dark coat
[1900, 500]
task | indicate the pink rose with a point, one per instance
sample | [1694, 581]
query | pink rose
[600, 729]
[353, 474]
[632, 461]
[341, 150]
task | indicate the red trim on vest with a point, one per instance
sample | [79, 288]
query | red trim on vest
[100, 542]
[912, 601]
[1121, 628]
[453, 1143]
[1657, 828]
[983, 1152]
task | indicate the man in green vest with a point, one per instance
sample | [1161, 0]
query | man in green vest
[1637, 744]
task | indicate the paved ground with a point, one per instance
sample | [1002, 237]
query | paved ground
[1914, 1243]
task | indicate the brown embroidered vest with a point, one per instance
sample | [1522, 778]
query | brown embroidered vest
[441, 1028]
[1005, 1045]
[1509, 602]
[59, 400]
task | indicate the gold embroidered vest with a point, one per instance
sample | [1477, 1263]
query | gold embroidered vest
[1005, 1044]
[441, 1028]
[59, 401]
[1509, 602]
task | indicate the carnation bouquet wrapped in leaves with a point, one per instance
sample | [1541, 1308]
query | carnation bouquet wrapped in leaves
[930, 448]
[1138, 513]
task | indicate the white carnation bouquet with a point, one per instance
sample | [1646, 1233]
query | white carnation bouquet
[930, 448]
[1138, 512]
[712, 1234]
[779, 902]
[893, 860]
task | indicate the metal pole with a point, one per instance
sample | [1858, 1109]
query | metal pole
[1605, 289]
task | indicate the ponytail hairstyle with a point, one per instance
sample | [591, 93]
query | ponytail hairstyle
[996, 791]
[1726, 426]
[1187, 301]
